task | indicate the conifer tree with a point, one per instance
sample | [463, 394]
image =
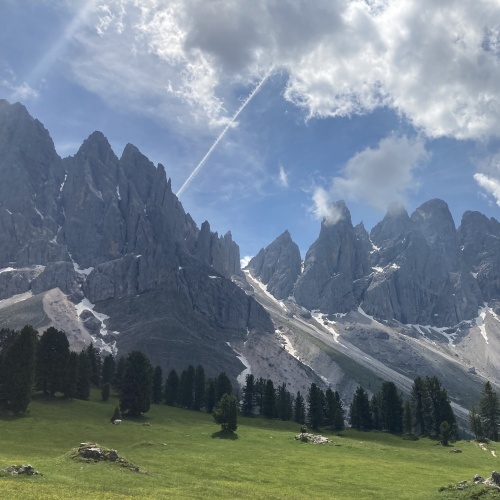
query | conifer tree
[71, 377]
[18, 369]
[338, 418]
[247, 406]
[199, 388]
[284, 408]
[391, 408]
[315, 406]
[260, 387]
[157, 385]
[83, 382]
[52, 357]
[475, 424]
[108, 369]
[105, 391]
[222, 386]
[226, 413]
[186, 388]
[135, 395]
[417, 407]
[95, 365]
[361, 417]
[490, 412]
[269, 400]
[375, 411]
[407, 418]
[299, 409]
[210, 395]
[171, 388]
[118, 374]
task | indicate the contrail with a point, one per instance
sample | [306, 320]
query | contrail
[228, 126]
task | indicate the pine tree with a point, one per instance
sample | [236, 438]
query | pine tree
[299, 409]
[338, 418]
[95, 365]
[260, 387]
[226, 413]
[444, 433]
[315, 406]
[18, 369]
[361, 417]
[269, 400]
[417, 407]
[407, 418]
[157, 385]
[105, 391]
[108, 369]
[52, 357]
[391, 408]
[118, 375]
[171, 388]
[475, 424]
[247, 406]
[135, 396]
[210, 395]
[490, 412]
[71, 377]
[186, 388]
[375, 411]
[199, 388]
[330, 407]
[222, 386]
[83, 382]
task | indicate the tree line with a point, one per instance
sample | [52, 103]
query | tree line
[46, 364]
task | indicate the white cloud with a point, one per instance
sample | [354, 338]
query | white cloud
[324, 207]
[436, 63]
[282, 179]
[23, 92]
[490, 184]
[245, 260]
[381, 175]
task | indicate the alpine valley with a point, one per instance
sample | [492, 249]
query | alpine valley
[101, 248]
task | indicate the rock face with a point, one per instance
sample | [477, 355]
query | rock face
[278, 266]
[110, 229]
[480, 239]
[332, 267]
[419, 274]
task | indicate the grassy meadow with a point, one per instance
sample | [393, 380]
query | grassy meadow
[185, 458]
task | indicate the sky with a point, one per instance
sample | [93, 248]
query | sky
[265, 112]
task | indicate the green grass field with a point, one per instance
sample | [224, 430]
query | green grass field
[184, 460]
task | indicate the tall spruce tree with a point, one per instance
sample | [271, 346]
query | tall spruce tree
[490, 412]
[199, 388]
[171, 388]
[247, 406]
[83, 382]
[52, 357]
[338, 418]
[315, 406]
[361, 417]
[108, 369]
[210, 395]
[407, 418]
[299, 409]
[222, 386]
[391, 408]
[71, 377]
[260, 387]
[186, 388]
[118, 375]
[95, 365]
[475, 424]
[157, 385]
[269, 400]
[18, 369]
[135, 396]
[417, 407]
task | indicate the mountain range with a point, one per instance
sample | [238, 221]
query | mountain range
[100, 247]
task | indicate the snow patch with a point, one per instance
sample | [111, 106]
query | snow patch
[474, 275]
[214, 277]
[118, 192]
[480, 323]
[375, 248]
[86, 305]
[378, 269]
[287, 345]
[8, 211]
[6, 270]
[241, 378]
[318, 317]
[264, 289]
[39, 213]
[63, 182]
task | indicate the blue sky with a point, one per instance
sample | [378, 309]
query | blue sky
[371, 101]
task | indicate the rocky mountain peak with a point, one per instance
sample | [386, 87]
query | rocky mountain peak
[278, 265]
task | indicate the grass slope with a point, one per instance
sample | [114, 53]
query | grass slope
[183, 460]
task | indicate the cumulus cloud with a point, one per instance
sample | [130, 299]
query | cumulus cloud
[245, 260]
[488, 177]
[436, 63]
[17, 91]
[324, 208]
[381, 175]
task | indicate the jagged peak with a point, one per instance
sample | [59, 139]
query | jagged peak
[337, 212]
[96, 145]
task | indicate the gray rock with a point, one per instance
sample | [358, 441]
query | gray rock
[332, 264]
[278, 266]
[60, 275]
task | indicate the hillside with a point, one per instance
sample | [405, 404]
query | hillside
[183, 459]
